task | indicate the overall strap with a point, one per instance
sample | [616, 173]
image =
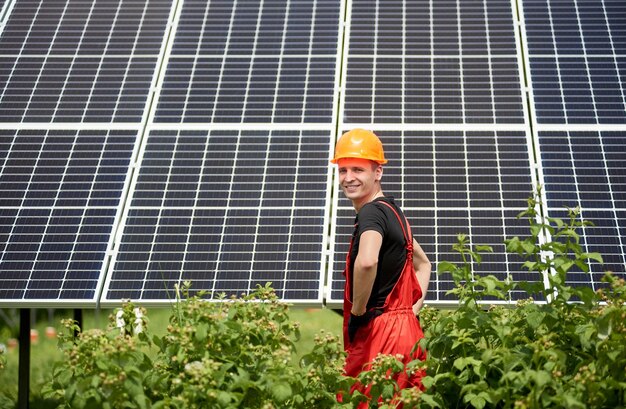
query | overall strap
[407, 237]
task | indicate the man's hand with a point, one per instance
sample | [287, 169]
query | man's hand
[354, 323]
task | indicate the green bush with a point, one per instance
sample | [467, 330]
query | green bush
[233, 353]
[568, 352]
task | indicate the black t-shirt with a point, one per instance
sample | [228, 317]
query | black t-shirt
[378, 217]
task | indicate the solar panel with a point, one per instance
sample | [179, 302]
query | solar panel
[236, 197]
[440, 83]
[68, 70]
[60, 192]
[587, 169]
[421, 62]
[577, 56]
[266, 62]
[577, 60]
[77, 90]
[79, 61]
[226, 210]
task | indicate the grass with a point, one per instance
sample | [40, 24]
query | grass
[45, 352]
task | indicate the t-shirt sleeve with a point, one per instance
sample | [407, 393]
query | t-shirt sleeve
[371, 217]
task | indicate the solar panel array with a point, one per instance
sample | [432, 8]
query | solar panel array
[144, 144]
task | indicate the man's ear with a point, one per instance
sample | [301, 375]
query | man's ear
[379, 173]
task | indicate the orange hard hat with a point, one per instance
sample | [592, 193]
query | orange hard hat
[359, 143]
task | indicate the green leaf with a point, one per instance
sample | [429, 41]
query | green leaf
[224, 399]
[605, 326]
[141, 400]
[571, 402]
[484, 248]
[529, 247]
[428, 382]
[461, 363]
[535, 318]
[541, 378]
[585, 334]
[477, 401]
[70, 392]
[201, 331]
[445, 267]
[559, 222]
[513, 245]
[593, 256]
[100, 364]
[429, 400]
[530, 265]
[388, 391]
[568, 233]
[613, 355]
[281, 392]
[535, 230]
[584, 266]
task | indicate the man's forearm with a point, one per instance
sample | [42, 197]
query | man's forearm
[363, 280]
[423, 268]
[423, 278]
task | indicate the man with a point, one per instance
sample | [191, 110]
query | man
[387, 272]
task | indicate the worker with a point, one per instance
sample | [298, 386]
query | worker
[387, 272]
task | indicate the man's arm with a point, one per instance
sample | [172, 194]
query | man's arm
[422, 271]
[365, 267]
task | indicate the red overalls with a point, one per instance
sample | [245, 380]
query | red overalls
[396, 330]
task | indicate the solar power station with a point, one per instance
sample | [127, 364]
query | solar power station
[145, 144]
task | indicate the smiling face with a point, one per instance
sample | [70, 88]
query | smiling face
[360, 180]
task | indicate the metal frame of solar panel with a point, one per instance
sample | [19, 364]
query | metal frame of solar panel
[578, 95]
[445, 95]
[232, 185]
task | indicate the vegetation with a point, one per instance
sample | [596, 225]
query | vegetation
[568, 351]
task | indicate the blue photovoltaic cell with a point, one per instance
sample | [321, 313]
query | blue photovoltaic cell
[60, 192]
[448, 183]
[253, 62]
[587, 169]
[577, 53]
[443, 62]
[226, 210]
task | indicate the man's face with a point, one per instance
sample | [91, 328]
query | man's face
[358, 178]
